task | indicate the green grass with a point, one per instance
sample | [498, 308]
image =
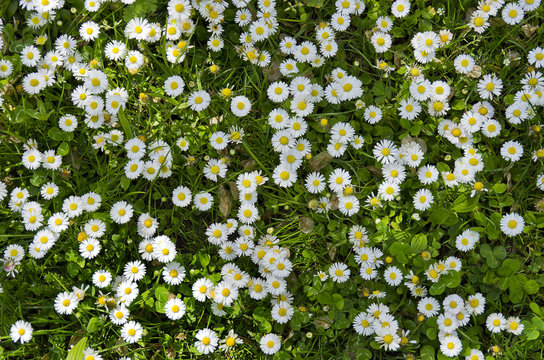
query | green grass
[507, 271]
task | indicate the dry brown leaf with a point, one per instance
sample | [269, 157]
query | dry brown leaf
[306, 225]
[273, 72]
[225, 201]
[319, 161]
[322, 322]
[234, 190]
[375, 171]
[529, 30]
[476, 72]
[332, 251]
[334, 202]
[171, 352]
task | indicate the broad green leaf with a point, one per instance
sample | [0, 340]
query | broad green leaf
[427, 353]
[509, 267]
[76, 353]
[535, 308]
[124, 123]
[419, 243]
[499, 252]
[161, 294]
[437, 288]
[531, 287]
[443, 216]
[93, 324]
[338, 301]
[465, 204]
[324, 298]
[63, 149]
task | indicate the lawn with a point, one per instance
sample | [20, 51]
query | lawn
[350, 179]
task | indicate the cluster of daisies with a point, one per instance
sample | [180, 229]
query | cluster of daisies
[511, 13]
[297, 100]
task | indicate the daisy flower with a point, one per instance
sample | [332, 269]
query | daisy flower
[495, 322]
[340, 21]
[512, 13]
[203, 201]
[131, 332]
[65, 303]
[89, 248]
[134, 60]
[388, 190]
[247, 213]
[409, 109]
[423, 199]
[89, 31]
[134, 271]
[21, 331]
[173, 273]
[479, 21]
[386, 337]
[219, 140]
[385, 151]
[284, 176]
[514, 326]
[428, 306]
[512, 224]
[102, 278]
[536, 57]
[348, 205]
[338, 179]
[278, 91]
[475, 354]
[451, 346]
[475, 304]
[339, 272]
[199, 100]
[491, 128]
[147, 225]
[270, 344]
[384, 23]
[464, 64]
[119, 315]
[115, 50]
[511, 151]
[207, 341]
[393, 276]
[315, 183]
[362, 323]
[30, 56]
[381, 41]
[400, 8]
[58, 222]
[489, 86]
[174, 309]
[240, 106]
